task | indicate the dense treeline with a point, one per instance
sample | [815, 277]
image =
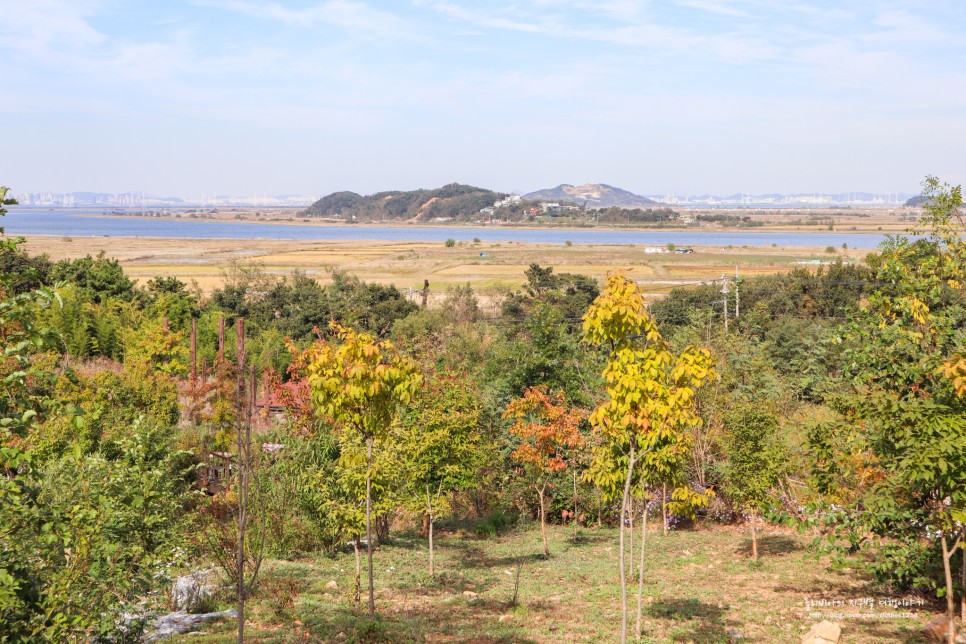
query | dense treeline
[834, 403]
[634, 215]
[453, 200]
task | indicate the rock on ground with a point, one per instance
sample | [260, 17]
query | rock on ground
[190, 593]
[180, 622]
[823, 633]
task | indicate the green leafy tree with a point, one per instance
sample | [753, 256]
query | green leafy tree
[171, 299]
[902, 417]
[439, 443]
[99, 277]
[755, 459]
[361, 383]
[153, 348]
[342, 485]
[649, 408]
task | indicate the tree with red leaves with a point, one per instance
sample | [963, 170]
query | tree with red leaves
[548, 428]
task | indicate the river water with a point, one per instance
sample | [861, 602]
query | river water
[88, 223]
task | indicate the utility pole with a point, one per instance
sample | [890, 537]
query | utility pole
[724, 291]
[221, 338]
[194, 351]
[736, 291]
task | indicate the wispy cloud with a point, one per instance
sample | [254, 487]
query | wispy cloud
[345, 14]
[717, 7]
[47, 30]
[484, 80]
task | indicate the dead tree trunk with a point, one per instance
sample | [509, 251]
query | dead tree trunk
[241, 462]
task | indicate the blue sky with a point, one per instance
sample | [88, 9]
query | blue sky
[308, 97]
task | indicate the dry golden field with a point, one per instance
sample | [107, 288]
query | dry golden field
[486, 266]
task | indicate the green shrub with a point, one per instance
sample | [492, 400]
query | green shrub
[98, 523]
[495, 524]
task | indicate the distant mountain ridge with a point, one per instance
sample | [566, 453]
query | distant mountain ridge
[592, 195]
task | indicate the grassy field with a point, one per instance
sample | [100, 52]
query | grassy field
[700, 587]
[883, 219]
[486, 266]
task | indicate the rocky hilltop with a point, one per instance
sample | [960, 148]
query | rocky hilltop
[592, 195]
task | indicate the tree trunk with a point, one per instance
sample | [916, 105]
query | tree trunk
[664, 506]
[630, 537]
[950, 612]
[640, 570]
[543, 521]
[962, 584]
[358, 589]
[598, 505]
[754, 538]
[372, 594]
[624, 499]
[575, 506]
[429, 513]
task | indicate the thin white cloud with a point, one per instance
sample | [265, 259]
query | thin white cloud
[48, 29]
[718, 7]
[633, 31]
[344, 14]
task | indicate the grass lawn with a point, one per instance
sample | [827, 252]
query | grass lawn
[700, 584]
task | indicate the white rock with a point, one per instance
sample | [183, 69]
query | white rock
[189, 593]
[180, 621]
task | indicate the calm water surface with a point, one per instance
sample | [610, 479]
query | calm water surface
[86, 223]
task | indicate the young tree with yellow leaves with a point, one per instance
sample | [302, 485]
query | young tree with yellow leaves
[649, 408]
[361, 383]
[548, 429]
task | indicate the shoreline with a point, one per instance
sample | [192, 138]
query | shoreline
[461, 245]
[891, 227]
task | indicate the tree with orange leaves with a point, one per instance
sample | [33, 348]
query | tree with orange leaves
[547, 428]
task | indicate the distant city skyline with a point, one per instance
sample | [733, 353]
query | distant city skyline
[82, 199]
[308, 97]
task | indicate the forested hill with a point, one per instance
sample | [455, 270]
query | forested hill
[453, 201]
